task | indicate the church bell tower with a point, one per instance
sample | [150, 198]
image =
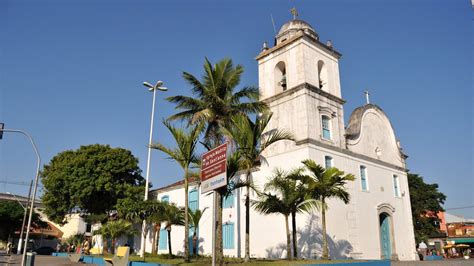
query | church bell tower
[299, 79]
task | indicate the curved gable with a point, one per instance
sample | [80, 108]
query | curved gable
[370, 133]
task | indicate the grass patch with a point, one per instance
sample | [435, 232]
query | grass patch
[204, 261]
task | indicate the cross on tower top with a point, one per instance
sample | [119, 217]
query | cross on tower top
[367, 96]
[294, 12]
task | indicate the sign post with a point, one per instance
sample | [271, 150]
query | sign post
[214, 176]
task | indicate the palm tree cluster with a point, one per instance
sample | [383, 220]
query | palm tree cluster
[220, 113]
[303, 189]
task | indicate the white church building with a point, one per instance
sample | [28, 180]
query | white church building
[299, 79]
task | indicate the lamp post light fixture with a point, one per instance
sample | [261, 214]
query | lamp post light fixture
[151, 88]
[19, 202]
[35, 187]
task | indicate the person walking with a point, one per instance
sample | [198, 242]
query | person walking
[422, 249]
[9, 247]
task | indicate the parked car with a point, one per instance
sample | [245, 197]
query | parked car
[44, 251]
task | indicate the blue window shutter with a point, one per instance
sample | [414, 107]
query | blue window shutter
[228, 235]
[328, 161]
[363, 178]
[228, 201]
[395, 186]
[165, 198]
[163, 243]
[193, 200]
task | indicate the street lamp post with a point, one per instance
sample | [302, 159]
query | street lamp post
[20, 240]
[151, 88]
[35, 187]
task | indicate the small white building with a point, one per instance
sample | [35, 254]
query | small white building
[299, 79]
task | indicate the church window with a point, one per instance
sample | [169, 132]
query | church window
[193, 200]
[326, 125]
[322, 76]
[165, 198]
[228, 201]
[396, 186]
[280, 77]
[328, 162]
[363, 178]
[228, 235]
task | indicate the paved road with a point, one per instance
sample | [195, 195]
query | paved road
[40, 260]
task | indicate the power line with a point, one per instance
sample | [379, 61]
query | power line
[459, 208]
[18, 183]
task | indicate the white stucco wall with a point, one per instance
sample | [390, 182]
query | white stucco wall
[301, 59]
[353, 229]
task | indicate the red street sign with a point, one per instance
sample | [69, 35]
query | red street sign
[213, 169]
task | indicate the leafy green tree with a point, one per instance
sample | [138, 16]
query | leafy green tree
[215, 102]
[323, 184]
[173, 215]
[185, 155]
[194, 218]
[11, 218]
[426, 202]
[252, 140]
[90, 179]
[116, 229]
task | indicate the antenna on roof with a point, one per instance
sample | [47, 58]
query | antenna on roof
[273, 23]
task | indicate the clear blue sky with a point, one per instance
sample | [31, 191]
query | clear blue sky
[71, 73]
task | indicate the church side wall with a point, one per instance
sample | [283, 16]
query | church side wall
[353, 229]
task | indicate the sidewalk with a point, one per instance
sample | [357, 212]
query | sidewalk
[39, 260]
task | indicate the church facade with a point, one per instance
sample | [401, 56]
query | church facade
[299, 79]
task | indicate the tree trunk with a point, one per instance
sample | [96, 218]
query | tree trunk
[104, 247]
[170, 252]
[293, 223]
[219, 241]
[113, 245]
[195, 248]
[247, 221]
[325, 239]
[288, 238]
[186, 216]
[156, 237]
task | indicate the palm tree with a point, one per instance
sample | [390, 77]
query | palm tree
[288, 199]
[323, 184]
[172, 216]
[185, 155]
[137, 211]
[216, 100]
[298, 199]
[156, 219]
[116, 229]
[252, 141]
[195, 217]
